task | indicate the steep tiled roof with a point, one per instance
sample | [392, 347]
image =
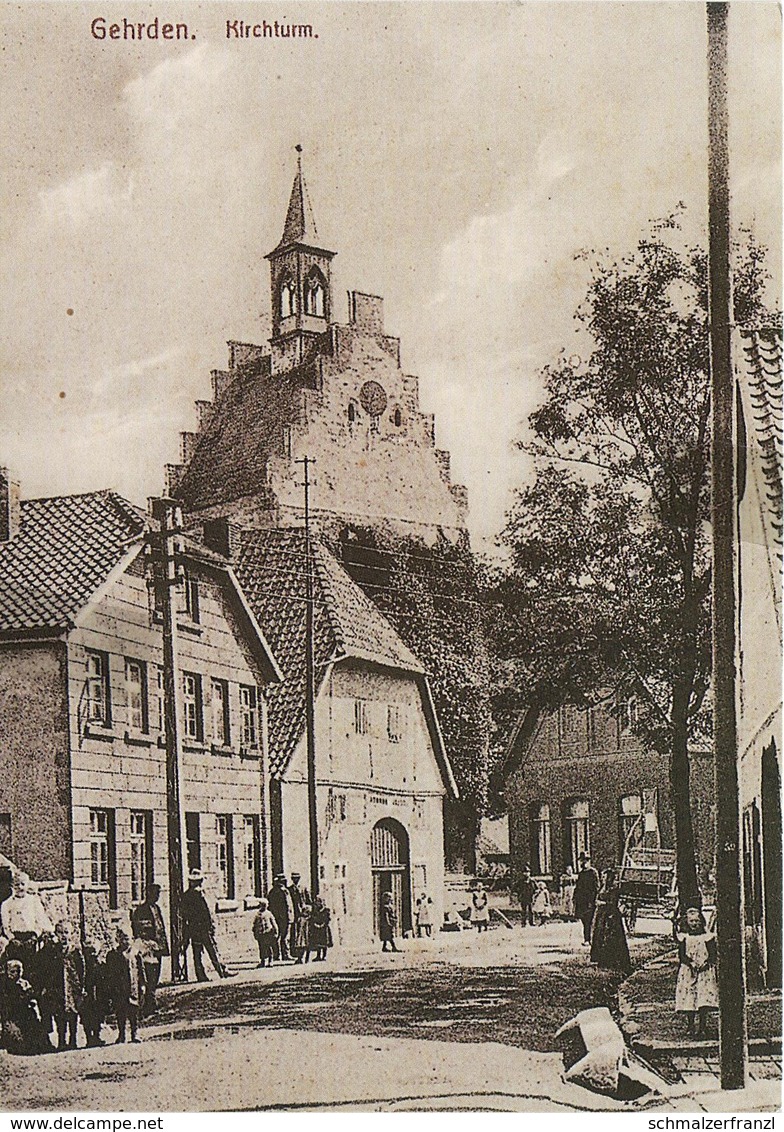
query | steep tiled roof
[273, 574]
[65, 548]
[760, 366]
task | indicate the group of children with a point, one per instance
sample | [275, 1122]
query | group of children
[50, 985]
[314, 929]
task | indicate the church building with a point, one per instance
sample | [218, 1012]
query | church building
[333, 391]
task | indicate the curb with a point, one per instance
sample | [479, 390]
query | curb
[631, 1016]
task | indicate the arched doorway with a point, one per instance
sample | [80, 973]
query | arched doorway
[771, 850]
[391, 869]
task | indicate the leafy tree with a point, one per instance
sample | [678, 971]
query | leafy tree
[610, 576]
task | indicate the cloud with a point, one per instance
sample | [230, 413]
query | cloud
[178, 88]
[95, 192]
[117, 382]
[554, 159]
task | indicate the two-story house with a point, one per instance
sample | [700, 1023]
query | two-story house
[381, 768]
[580, 780]
[83, 787]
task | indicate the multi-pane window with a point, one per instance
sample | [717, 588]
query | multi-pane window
[141, 853]
[102, 852]
[541, 854]
[249, 708]
[99, 847]
[193, 840]
[394, 723]
[577, 837]
[252, 855]
[631, 824]
[361, 723]
[98, 703]
[136, 686]
[224, 854]
[192, 720]
[337, 804]
[219, 712]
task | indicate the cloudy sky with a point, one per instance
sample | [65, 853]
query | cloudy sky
[457, 156]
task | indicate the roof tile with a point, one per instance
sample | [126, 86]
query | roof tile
[272, 571]
[65, 548]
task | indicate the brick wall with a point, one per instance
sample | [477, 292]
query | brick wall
[586, 755]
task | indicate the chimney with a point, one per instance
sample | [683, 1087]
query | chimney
[223, 537]
[10, 509]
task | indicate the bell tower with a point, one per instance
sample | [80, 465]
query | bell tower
[299, 276]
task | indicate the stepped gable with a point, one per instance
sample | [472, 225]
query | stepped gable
[273, 574]
[320, 387]
[760, 365]
[65, 548]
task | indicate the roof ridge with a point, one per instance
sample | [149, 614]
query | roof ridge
[69, 495]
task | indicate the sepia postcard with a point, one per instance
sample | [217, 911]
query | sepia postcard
[390, 558]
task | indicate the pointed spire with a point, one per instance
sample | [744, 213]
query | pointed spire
[300, 227]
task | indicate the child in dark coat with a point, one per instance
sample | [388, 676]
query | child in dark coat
[125, 982]
[319, 930]
[67, 985]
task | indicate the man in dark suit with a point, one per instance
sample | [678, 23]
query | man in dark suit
[585, 892]
[198, 928]
[525, 892]
[282, 908]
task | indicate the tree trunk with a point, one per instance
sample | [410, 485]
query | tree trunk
[685, 857]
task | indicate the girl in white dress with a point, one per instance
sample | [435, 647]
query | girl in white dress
[696, 991]
[480, 909]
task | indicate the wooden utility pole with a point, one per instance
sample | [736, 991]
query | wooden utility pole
[729, 893]
[310, 688]
[165, 579]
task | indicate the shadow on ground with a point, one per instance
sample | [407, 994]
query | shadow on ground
[518, 1006]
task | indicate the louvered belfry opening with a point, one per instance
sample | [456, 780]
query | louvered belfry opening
[390, 865]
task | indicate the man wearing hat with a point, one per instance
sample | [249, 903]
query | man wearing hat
[282, 908]
[198, 927]
[585, 892]
[303, 906]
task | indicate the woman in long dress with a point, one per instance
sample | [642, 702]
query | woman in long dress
[696, 992]
[568, 881]
[609, 948]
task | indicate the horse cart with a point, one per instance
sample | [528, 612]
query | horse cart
[647, 883]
